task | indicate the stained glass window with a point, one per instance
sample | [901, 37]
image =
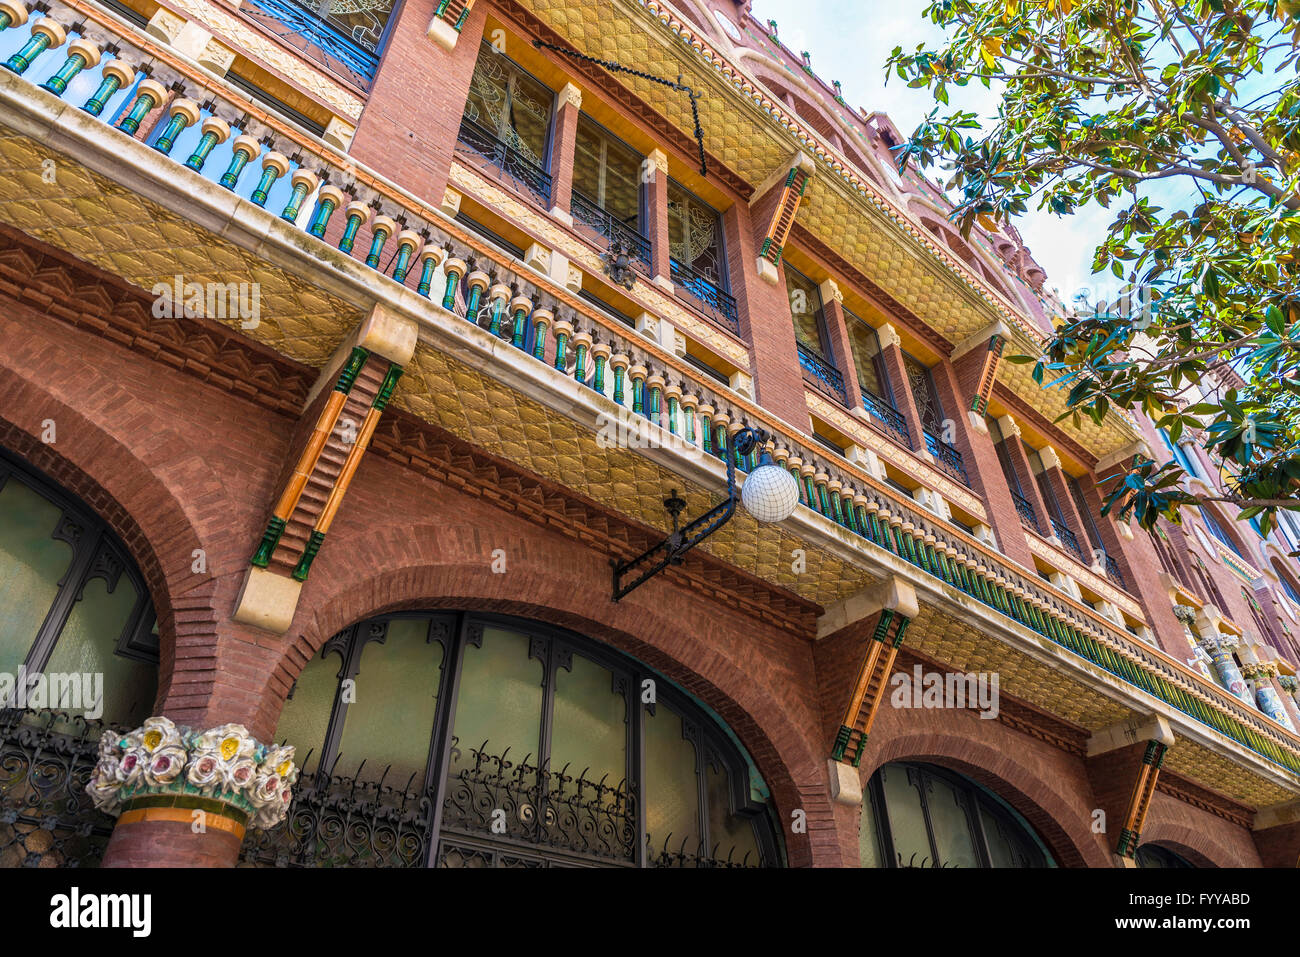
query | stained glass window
[695, 234]
[511, 105]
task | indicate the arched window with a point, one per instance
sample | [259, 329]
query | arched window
[919, 815]
[460, 740]
[1217, 531]
[1154, 855]
[73, 607]
[78, 652]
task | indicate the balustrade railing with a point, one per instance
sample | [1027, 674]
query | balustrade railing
[508, 161]
[719, 304]
[821, 375]
[947, 457]
[888, 417]
[589, 212]
[544, 327]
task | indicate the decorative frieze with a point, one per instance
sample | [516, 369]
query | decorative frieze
[161, 764]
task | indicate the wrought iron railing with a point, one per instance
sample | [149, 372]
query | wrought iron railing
[520, 803]
[46, 818]
[1069, 540]
[589, 212]
[948, 458]
[720, 304]
[337, 821]
[1112, 569]
[889, 418]
[1028, 517]
[821, 375]
[324, 41]
[507, 160]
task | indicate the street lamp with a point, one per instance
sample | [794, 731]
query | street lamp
[770, 494]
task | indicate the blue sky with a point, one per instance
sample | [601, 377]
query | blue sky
[852, 48]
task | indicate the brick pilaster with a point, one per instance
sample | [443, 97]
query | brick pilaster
[563, 141]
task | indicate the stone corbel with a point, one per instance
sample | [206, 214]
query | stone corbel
[449, 17]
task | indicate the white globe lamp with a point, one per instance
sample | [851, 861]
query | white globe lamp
[770, 493]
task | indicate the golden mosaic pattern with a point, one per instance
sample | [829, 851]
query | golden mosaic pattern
[117, 230]
[964, 646]
[481, 410]
[1212, 770]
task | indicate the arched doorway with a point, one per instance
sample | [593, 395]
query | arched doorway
[470, 740]
[922, 815]
[78, 653]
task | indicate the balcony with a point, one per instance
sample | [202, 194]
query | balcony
[318, 37]
[888, 418]
[719, 305]
[604, 223]
[867, 531]
[821, 375]
[947, 457]
[1028, 517]
[1069, 541]
[476, 140]
[1112, 570]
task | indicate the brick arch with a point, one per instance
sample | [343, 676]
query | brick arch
[660, 634]
[1196, 845]
[146, 504]
[1061, 823]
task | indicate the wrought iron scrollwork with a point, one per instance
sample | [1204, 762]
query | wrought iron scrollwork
[46, 818]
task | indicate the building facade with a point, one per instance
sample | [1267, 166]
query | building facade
[350, 358]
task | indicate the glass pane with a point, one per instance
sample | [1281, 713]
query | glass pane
[906, 819]
[1002, 853]
[361, 21]
[951, 826]
[671, 788]
[868, 841]
[732, 838]
[31, 564]
[608, 172]
[865, 347]
[403, 668]
[87, 645]
[510, 104]
[500, 703]
[805, 309]
[306, 716]
[694, 233]
[589, 734]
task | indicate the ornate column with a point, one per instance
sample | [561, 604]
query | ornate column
[1260, 674]
[185, 797]
[1219, 647]
[568, 105]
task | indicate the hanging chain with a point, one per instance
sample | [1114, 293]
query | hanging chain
[679, 86]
